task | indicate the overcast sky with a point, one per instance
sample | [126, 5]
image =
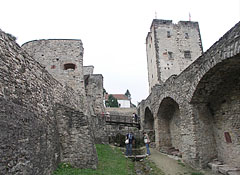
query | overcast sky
[113, 32]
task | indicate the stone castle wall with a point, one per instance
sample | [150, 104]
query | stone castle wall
[88, 70]
[113, 130]
[55, 55]
[62, 58]
[204, 102]
[94, 94]
[41, 120]
[122, 111]
[166, 47]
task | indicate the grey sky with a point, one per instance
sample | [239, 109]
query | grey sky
[114, 31]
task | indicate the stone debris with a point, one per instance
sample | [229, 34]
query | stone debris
[225, 169]
[219, 167]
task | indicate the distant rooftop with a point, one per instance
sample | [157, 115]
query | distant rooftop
[117, 96]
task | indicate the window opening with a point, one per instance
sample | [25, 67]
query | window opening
[186, 35]
[53, 67]
[227, 137]
[170, 55]
[168, 34]
[187, 54]
[69, 66]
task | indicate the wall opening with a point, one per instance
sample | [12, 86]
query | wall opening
[149, 124]
[53, 67]
[227, 137]
[69, 66]
[168, 34]
[169, 133]
[187, 54]
[216, 102]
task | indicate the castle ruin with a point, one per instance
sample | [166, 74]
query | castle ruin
[195, 108]
[50, 101]
[45, 117]
[171, 48]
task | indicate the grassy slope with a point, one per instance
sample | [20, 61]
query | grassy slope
[111, 162]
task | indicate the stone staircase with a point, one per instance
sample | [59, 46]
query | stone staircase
[219, 167]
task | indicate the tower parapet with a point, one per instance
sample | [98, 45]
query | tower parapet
[171, 48]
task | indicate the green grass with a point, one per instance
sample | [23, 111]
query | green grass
[181, 163]
[197, 173]
[110, 162]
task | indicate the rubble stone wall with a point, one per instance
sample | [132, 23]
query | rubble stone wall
[62, 58]
[205, 92]
[122, 111]
[31, 141]
[167, 44]
[88, 70]
[94, 94]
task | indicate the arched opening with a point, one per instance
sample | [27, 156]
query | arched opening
[169, 136]
[149, 124]
[69, 66]
[216, 103]
[148, 120]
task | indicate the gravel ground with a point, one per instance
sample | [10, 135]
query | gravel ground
[171, 166]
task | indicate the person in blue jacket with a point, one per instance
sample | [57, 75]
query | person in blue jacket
[129, 142]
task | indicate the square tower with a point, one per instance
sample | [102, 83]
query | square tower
[62, 58]
[171, 48]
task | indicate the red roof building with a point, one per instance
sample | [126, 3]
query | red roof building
[122, 99]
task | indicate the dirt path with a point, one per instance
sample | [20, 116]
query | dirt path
[171, 166]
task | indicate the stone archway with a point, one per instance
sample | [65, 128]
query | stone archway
[148, 120]
[169, 136]
[216, 104]
[149, 124]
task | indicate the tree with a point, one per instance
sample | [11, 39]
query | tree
[127, 93]
[112, 101]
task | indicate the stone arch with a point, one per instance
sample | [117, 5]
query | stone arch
[216, 107]
[149, 123]
[168, 125]
[148, 119]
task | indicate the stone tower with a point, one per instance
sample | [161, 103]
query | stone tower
[63, 58]
[171, 48]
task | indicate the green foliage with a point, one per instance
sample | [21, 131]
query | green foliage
[197, 173]
[112, 101]
[181, 163]
[64, 165]
[110, 161]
